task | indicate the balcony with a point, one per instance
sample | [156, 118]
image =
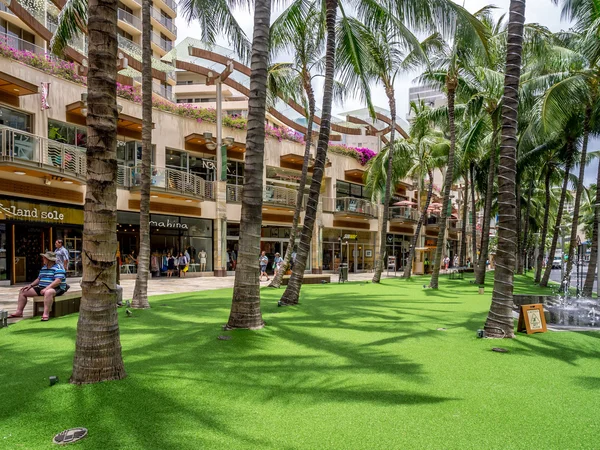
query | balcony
[433, 221]
[164, 44]
[273, 196]
[166, 22]
[130, 19]
[170, 181]
[279, 196]
[163, 91]
[234, 193]
[42, 155]
[348, 206]
[171, 4]
[401, 214]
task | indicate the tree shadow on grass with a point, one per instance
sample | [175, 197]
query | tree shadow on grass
[589, 382]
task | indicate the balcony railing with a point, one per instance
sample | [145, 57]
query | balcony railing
[130, 19]
[234, 193]
[171, 180]
[165, 44]
[29, 149]
[403, 214]
[349, 205]
[171, 4]
[163, 91]
[279, 196]
[167, 22]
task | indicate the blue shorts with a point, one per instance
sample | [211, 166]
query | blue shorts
[263, 268]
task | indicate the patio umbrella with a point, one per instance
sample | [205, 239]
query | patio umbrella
[435, 205]
[405, 203]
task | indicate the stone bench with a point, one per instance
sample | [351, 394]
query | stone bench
[65, 304]
[310, 279]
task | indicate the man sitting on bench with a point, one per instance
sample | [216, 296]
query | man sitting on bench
[50, 283]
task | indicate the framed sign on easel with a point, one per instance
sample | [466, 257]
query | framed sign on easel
[531, 319]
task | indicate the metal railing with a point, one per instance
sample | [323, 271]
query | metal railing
[171, 180]
[280, 196]
[403, 213]
[167, 22]
[171, 4]
[27, 148]
[350, 205]
[165, 44]
[163, 91]
[130, 18]
[22, 45]
[234, 193]
[123, 173]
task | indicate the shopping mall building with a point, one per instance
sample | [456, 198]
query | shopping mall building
[194, 207]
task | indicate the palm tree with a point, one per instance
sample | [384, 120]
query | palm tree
[500, 322]
[140, 291]
[245, 306]
[98, 347]
[292, 291]
[302, 30]
[448, 65]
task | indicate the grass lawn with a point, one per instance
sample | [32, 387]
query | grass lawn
[356, 366]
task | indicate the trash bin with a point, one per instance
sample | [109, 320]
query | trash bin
[343, 273]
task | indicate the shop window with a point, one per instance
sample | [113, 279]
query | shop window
[67, 133]
[15, 119]
[235, 172]
[345, 189]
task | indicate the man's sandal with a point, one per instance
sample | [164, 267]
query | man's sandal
[45, 319]
[15, 316]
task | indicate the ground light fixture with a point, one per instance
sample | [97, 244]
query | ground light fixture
[19, 172]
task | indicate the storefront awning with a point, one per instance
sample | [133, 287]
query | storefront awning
[126, 124]
[15, 86]
[197, 142]
[354, 175]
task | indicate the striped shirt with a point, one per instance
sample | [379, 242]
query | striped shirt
[48, 275]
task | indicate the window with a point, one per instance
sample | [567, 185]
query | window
[235, 172]
[208, 100]
[345, 189]
[125, 34]
[176, 159]
[67, 133]
[15, 119]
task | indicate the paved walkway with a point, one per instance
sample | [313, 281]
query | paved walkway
[156, 286]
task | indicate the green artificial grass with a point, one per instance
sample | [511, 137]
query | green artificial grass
[355, 366]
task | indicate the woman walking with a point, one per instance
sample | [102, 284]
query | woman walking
[181, 263]
[170, 265]
[277, 263]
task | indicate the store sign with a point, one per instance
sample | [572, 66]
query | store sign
[169, 224]
[350, 237]
[38, 212]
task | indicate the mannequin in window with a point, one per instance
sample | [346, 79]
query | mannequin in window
[202, 255]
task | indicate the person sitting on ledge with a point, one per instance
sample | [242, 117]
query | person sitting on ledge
[51, 282]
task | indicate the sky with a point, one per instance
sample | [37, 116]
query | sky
[544, 12]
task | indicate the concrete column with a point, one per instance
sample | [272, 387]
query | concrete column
[316, 258]
[220, 232]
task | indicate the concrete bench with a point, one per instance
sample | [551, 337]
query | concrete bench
[65, 304]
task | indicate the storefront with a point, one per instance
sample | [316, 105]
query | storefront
[274, 239]
[29, 228]
[398, 245]
[356, 248]
[169, 235]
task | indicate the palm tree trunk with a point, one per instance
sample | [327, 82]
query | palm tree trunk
[485, 226]
[518, 267]
[559, 213]
[463, 231]
[592, 267]
[245, 305]
[473, 215]
[276, 283]
[413, 244]
[540, 257]
[526, 227]
[500, 322]
[292, 292]
[441, 244]
[98, 346]
[582, 163]
[140, 291]
[379, 263]
[588, 286]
